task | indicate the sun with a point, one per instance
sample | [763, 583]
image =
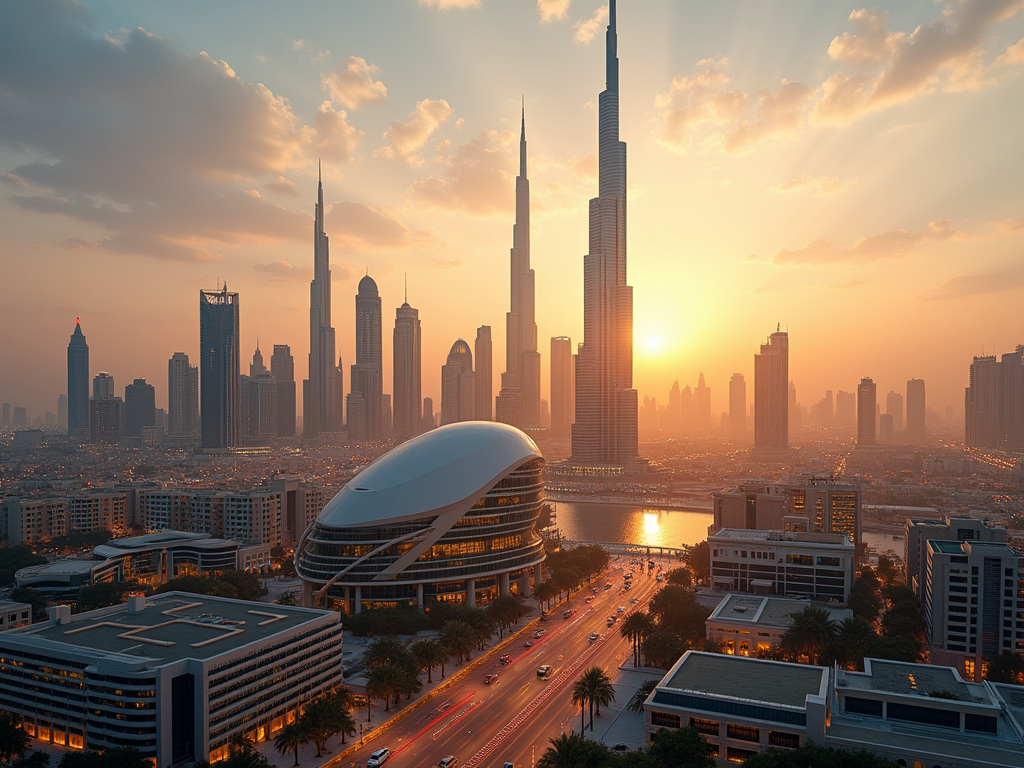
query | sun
[653, 344]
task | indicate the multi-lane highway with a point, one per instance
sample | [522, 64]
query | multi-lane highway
[511, 719]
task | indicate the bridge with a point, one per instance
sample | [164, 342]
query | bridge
[627, 548]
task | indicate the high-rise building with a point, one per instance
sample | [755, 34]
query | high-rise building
[339, 396]
[105, 420]
[386, 424]
[318, 396]
[518, 401]
[894, 407]
[429, 419]
[102, 386]
[139, 408]
[673, 425]
[20, 416]
[702, 404]
[981, 403]
[738, 403]
[562, 389]
[915, 411]
[407, 373]
[771, 394]
[5, 415]
[458, 385]
[182, 396]
[484, 366]
[846, 409]
[605, 430]
[1011, 401]
[355, 407]
[62, 412]
[219, 380]
[78, 384]
[282, 368]
[866, 402]
[367, 373]
[793, 408]
[259, 403]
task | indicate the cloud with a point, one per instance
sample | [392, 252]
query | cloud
[1014, 54]
[1010, 278]
[360, 227]
[553, 10]
[407, 136]
[76, 243]
[822, 186]
[891, 244]
[281, 270]
[1007, 226]
[352, 84]
[870, 44]
[561, 185]
[282, 186]
[446, 4]
[583, 32]
[478, 179]
[335, 138]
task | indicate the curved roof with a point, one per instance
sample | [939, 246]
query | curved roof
[368, 286]
[443, 468]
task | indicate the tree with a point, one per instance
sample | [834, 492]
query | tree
[385, 682]
[116, 757]
[36, 759]
[636, 627]
[545, 592]
[662, 649]
[865, 600]
[853, 638]
[813, 756]
[1006, 668]
[16, 558]
[505, 610]
[636, 704]
[103, 594]
[33, 598]
[429, 654]
[14, 741]
[327, 717]
[291, 738]
[812, 632]
[682, 748]
[459, 637]
[680, 576]
[677, 610]
[699, 561]
[599, 690]
[579, 696]
[385, 650]
[572, 751]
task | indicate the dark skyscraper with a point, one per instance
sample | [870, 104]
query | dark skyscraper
[915, 411]
[519, 399]
[406, 379]
[562, 390]
[483, 350]
[981, 403]
[605, 431]
[218, 369]
[737, 403]
[867, 399]
[182, 397]
[78, 384]
[139, 408]
[771, 394]
[318, 396]
[282, 368]
[367, 373]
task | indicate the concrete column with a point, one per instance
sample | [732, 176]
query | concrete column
[537, 576]
[471, 593]
[503, 583]
[419, 595]
[358, 598]
[525, 588]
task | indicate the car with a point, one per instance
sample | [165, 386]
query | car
[378, 757]
[608, 585]
[488, 679]
[629, 576]
[448, 762]
[528, 644]
[568, 612]
[620, 609]
[594, 637]
[505, 659]
[589, 599]
[619, 748]
[632, 601]
[612, 620]
[508, 765]
[544, 672]
[539, 633]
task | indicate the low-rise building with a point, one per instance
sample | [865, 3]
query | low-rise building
[192, 670]
[34, 521]
[13, 615]
[919, 532]
[749, 624]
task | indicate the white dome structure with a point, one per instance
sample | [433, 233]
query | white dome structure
[446, 517]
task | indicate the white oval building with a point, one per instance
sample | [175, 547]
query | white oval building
[446, 517]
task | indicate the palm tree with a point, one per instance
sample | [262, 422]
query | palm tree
[579, 696]
[385, 650]
[852, 639]
[385, 682]
[636, 704]
[239, 744]
[14, 741]
[459, 637]
[636, 628]
[545, 592]
[505, 610]
[599, 690]
[566, 751]
[290, 739]
[429, 654]
[811, 632]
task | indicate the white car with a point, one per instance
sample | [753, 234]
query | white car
[378, 758]
[448, 762]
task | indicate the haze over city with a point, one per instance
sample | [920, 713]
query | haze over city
[852, 174]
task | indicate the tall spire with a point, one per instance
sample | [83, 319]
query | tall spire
[522, 143]
[611, 51]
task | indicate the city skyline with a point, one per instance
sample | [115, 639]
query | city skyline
[821, 211]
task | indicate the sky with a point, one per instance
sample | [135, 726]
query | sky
[852, 174]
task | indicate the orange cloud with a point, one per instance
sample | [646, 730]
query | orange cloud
[822, 186]
[477, 180]
[353, 85]
[334, 137]
[360, 227]
[553, 10]
[1010, 278]
[408, 136]
[893, 243]
[584, 32]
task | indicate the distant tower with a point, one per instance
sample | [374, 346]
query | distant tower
[702, 404]
[5, 415]
[738, 403]
[259, 403]
[219, 370]
[866, 402]
[103, 386]
[771, 394]
[605, 429]
[518, 401]
[458, 385]
[894, 407]
[318, 397]
[367, 373]
[407, 374]
[62, 412]
[429, 420]
[915, 411]
[78, 384]
[282, 368]
[182, 396]
[139, 408]
[982, 403]
[563, 390]
[484, 368]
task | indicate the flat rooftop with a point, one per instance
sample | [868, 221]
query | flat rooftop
[769, 611]
[782, 536]
[172, 627]
[738, 677]
[912, 680]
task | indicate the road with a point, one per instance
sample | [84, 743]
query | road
[479, 712]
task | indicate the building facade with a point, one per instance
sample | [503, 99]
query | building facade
[484, 353]
[78, 385]
[458, 385]
[282, 368]
[771, 395]
[867, 401]
[182, 397]
[219, 375]
[318, 390]
[407, 373]
[563, 390]
[368, 371]
[915, 411]
[749, 625]
[737, 404]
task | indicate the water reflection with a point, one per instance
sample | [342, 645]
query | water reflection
[589, 521]
[651, 528]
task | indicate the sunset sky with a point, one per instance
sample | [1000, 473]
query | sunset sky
[855, 174]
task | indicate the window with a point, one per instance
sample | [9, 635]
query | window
[926, 715]
[981, 723]
[740, 755]
[781, 739]
[744, 733]
[665, 720]
[859, 706]
[707, 727]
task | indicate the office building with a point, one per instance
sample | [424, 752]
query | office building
[282, 368]
[204, 687]
[139, 409]
[386, 425]
[738, 403]
[103, 386]
[563, 388]
[318, 390]
[702, 404]
[407, 373]
[339, 396]
[866, 402]
[459, 504]
[518, 400]
[994, 402]
[818, 566]
[34, 521]
[917, 534]
[910, 714]
[915, 411]
[105, 411]
[20, 417]
[894, 407]
[429, 419]
[458, 385]
[78, 385]
[605, 428]
[14, 615]
[846, 410]
[771, 395]
[368, 371]
[182, 397]
[482, 350]
[97, 511]
[259, 403]
[1011, 400]
[355, 410]
[749, 625]
[219, 379]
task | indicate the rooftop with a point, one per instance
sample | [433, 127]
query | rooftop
[912, 680]
[738, 677]
[130, 544]
[769, 611]
[744, 534]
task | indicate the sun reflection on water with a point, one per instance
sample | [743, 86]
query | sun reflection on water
[652, 529]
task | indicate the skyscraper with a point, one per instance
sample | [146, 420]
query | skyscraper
[771, 394]
[367, 373]
[518, 401]
[981, 403]
[219, 369]
[894, 407]
[738, 403]
[866, 402]
[562, 389]
[282, 368]
[5, 418]
[1011, 401]
[458, 385]
[182, 396]
[702, 404]
[139, 408]
[318, 398]
[484, 367]
[104, 411]
[407, 373]
[915, 411]
[605, 431]
[259, 403]
[102, 386]
[78, 384]
[62, 412]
